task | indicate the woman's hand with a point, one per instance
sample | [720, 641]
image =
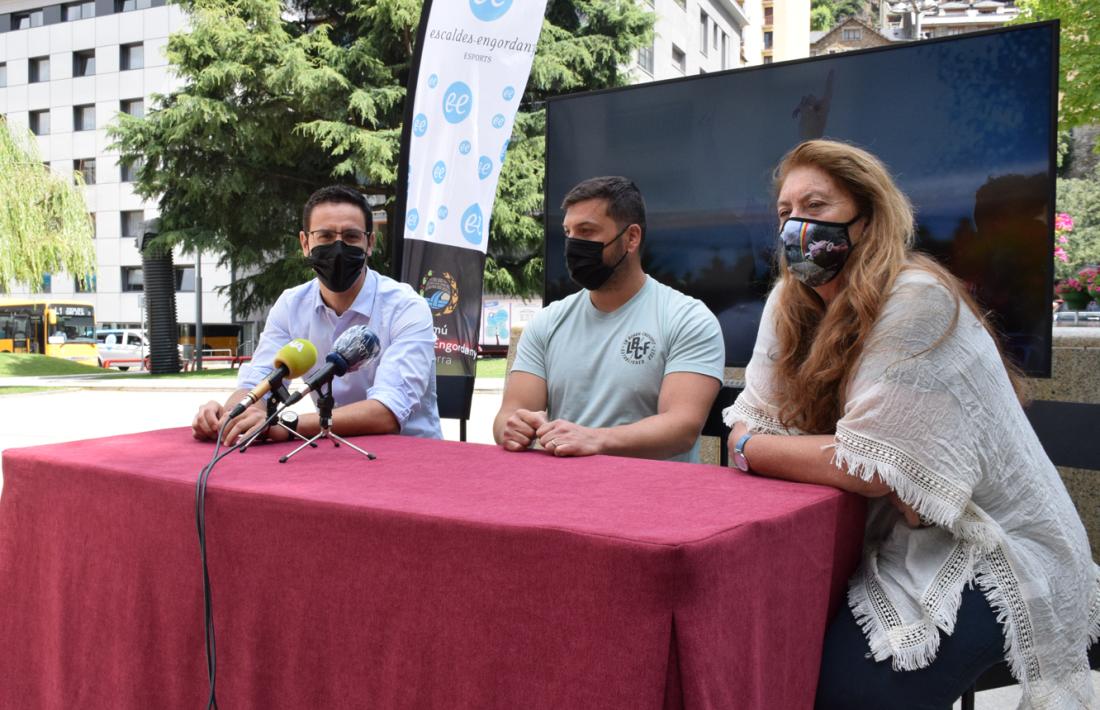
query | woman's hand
[912, 519]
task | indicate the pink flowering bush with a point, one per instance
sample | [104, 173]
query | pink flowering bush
[1090, 278]
[1063, 225]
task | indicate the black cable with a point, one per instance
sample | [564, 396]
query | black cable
[200, 522]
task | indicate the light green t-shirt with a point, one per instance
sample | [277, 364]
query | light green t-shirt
[606, 369]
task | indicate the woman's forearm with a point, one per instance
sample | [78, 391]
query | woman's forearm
[805, 459]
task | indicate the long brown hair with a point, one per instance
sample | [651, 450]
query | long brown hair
[820, 345]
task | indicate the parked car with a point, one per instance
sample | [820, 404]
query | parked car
[121, 345]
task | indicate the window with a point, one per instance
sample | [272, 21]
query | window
[769, 15]
[767, 60]
[703, 32]
[133, 279]
[767, 40]
[39, 70]
[185, 279]
[95, 227]
[3, 75]
[84, 285]
[679, 59]
[84, 63]
[714, 28]
[645, 58]
[47, 283]
[26, 20]
[853, 34]
[683, 4]
[130, 169]
[77, 11]
[725, 51]
[131, 56]
[40, 122]
[134, 107]
[86, 167]
[127, 5]
[84, 117]
[133, 222]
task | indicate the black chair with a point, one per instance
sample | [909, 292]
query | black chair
[714, 425]
[454, 394]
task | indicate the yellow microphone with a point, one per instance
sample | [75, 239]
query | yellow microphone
[293, 360]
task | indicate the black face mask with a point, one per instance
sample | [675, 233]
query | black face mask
[337, 264]
[815, 250]
[584, 259]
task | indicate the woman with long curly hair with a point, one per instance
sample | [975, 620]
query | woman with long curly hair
[874, 372]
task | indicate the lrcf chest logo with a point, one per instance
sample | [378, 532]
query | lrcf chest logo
[639, 348]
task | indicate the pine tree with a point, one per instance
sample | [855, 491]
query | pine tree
[282, 98]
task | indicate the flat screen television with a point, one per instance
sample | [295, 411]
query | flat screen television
[965, 124]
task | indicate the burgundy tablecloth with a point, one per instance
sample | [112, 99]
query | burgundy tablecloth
[442, 575]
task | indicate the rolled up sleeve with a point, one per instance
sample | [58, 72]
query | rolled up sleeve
[405, 371]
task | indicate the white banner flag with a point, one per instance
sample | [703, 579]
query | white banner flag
[474, 65]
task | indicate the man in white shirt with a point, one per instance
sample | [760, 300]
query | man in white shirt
[395, 392]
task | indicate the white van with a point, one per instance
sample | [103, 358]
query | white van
[121, 345]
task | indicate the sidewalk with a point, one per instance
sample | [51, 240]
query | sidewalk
[76, 407]
[141, 382]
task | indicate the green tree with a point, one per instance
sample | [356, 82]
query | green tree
[821, 17]
[1078, 198]
[44, 222]
[827, 14]
[1079, 82]
[279, 99]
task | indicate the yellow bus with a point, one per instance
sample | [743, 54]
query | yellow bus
[47, 326]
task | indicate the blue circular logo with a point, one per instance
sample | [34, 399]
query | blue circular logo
[464, 147]
[484, 167]
[438, 300]
[498, 120]
[442, 212]
[420, 124]
[509, 92]
[503, 150]
[431, 228]
[412, 220]
[472, 224]
[439, 171]
[457, 102]
[432, 81]
[489, 10]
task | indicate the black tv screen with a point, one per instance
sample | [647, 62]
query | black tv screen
[965, 125]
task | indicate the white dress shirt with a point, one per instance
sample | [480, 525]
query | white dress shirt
[402, 377]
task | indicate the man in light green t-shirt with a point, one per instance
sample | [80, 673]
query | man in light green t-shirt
[627, 366]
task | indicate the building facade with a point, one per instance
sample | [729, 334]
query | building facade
[850, 34]
[940, 18]
[701, 36]
[66, 71]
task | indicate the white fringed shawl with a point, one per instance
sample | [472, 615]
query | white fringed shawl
[943, 428]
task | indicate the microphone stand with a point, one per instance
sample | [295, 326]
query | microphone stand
[279, 394]
[325, 403]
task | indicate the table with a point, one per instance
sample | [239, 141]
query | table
[442, 575]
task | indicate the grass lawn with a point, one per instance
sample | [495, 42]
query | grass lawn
[491, 366]
[27, 365]
[218, 372]
[24, 390]
[24, 365]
